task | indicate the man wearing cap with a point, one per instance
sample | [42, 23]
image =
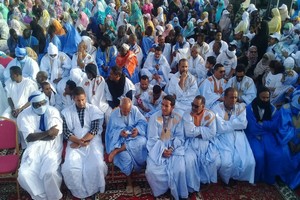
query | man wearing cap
[41, 126]
[125, 141]
[229, 60]
[273, 45]
[84, 169]
[157, 68]
[94, 87]
[289, 79]
[127, 61]
[29, 66]
[57, 64]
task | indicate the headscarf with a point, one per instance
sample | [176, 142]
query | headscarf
[275, 23]
[58, 8]
[220, 8]
[252, 58]
[169, 27]
[59, 30]
[44, 20]
[160, 15]
[35, 97]
[243, 25]
[82, 21]
[70, 40]
[225, 21]
[188, 30]
[262, 66]
[31, 53]
[267, 106]
[4, 29]
[88, 42]
[136, 17]
[122, 16]
[284, 13]
[175, 23]
[4, 11]
[100, 13]
[18, 26]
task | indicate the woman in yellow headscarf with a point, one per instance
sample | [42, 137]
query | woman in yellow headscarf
[275, 23]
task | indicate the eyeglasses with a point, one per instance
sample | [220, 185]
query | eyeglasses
[194, 105]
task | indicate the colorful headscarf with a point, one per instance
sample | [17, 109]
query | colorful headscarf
[136, 17]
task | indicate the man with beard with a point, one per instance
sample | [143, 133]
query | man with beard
[243, 84]
[94, 87]
[183, 87]
[118, 86]
[270, 156]
[106, 56]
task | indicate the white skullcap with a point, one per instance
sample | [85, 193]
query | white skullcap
[191, 41]
[283, 7]
[52, 49]
[251, 8]
[125, 46]
[160, 29]
[36, 96]
[88, 42]
[289, 63]
[276, 36]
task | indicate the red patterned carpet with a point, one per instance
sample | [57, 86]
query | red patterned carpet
[116, 184]
[115, 190]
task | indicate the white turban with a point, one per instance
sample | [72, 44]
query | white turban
[52, 49]
[125, 47]
[36, 96]
[289, 63]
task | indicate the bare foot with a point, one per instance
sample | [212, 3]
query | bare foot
[112, 155]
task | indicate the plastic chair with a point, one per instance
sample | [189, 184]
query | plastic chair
[9, 164]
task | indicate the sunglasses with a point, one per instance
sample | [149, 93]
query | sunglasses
[39, 104]
[194, 105]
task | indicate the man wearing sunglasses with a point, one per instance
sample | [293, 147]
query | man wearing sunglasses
[199, 129]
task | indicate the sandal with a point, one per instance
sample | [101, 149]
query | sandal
[129, 190]
[137, 191]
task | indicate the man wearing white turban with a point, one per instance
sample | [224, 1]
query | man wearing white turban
[229, 60]
[56, 63]
[29, 66]
[41, 126]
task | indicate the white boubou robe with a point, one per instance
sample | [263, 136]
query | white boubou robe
[246, 88]
[84, 169]
[202, 157]
[237, 160]
[39, 172]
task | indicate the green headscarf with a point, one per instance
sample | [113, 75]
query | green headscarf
[136, 17]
